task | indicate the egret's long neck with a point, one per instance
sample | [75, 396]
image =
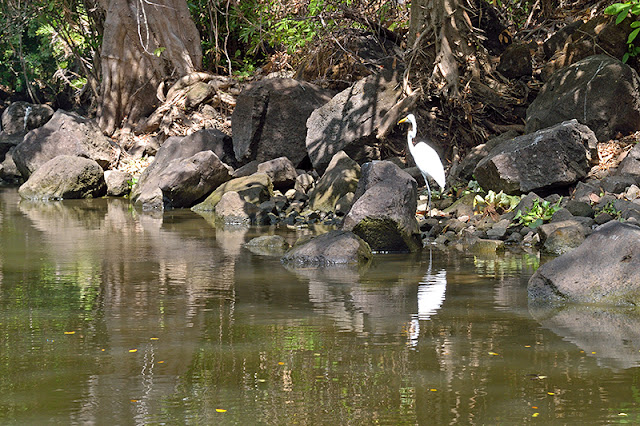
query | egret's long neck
[411, 135]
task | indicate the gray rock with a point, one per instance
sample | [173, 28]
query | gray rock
[253, 189]
[550, 158]
[602, 270]
[269, 120]
[66, 133]
[499, 229]
[349, 121]
[198, 93]
[561, 215]
[8, 170]
[232, 209]
[304, 182]
[630, 165]
[557, 40]
[561, 237]
[268, 245]
[185, 182]
[13, 118]
[384, 211]
[599, 91]
[175, 166]
[515, 61]
[579, 208]
[281, 171]
[340, 178]
[618, 184]
[332, 248]
[65, 177]
[118, 182]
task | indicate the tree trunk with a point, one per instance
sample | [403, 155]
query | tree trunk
[444, 26]
[145, 41]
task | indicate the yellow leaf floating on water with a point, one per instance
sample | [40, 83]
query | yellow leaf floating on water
[69, 332]
[154, 338]
[281, 363]
[551, 393]
[535, 414]
[133, 350]
[221, 410]
[493, 353]
[433, 390]
[160, 362]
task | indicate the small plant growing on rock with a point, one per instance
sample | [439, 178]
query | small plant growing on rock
[494, 205]
[539, 213]
[610, 209]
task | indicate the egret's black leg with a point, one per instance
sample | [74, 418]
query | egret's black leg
[426, 181]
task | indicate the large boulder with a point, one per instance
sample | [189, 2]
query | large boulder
[350, 121]
[65, 177]
[555, 157]
[333, 248]
[185, 182]
[254, 189]
[599, 91]
[602, 270]
[20, 117]
[340, 178]
[384, 211]
[184, 171]
[66, 133]
[269, 120]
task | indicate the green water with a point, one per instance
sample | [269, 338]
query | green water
[113, 316]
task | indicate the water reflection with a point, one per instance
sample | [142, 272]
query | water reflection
[610, 335]
[127, 317]
[431, 293]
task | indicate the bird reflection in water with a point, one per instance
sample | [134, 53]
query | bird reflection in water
[431, 292]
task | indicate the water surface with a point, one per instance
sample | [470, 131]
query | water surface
[110, 315]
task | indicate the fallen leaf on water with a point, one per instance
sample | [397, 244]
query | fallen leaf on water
[535, 414]
[221, 410]
[160, 362]
[492, 353]
[281, 363]
[69, 332]
[433, 390]
[133, 350]
[551, 393]
[622, 414]
[154, 338]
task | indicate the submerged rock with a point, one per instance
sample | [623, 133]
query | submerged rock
[332, 248]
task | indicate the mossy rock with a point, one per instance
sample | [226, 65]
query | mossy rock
[254, 189]
[385, 235]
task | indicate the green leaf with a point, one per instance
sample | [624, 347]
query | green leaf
[616, 8]
[635, 24]
[622, 15]
[633, 35]
[625, 58]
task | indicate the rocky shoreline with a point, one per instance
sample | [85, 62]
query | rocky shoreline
[302, 155]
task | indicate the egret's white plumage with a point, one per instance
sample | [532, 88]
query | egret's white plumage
[425, 157]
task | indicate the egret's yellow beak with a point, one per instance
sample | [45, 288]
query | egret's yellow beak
[404, 120]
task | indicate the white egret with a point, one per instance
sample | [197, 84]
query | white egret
[425, 157]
